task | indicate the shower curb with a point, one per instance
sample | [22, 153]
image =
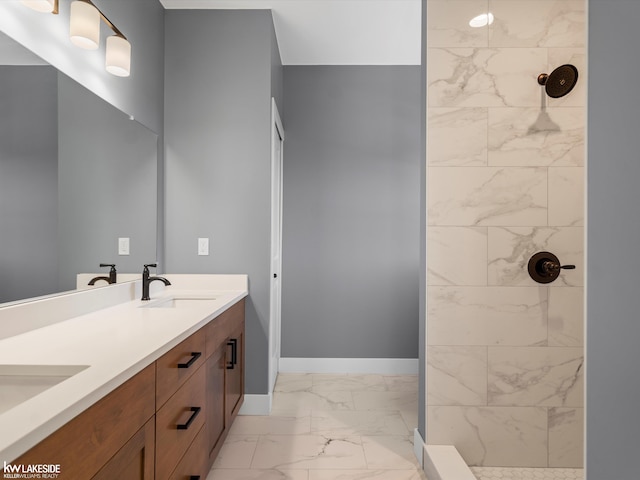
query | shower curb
[443, 462]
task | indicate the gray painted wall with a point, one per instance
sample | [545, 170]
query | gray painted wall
[613, 239]
[28, 182]
[351, 211]
[218, 152]
[277, 72]
[107, 171]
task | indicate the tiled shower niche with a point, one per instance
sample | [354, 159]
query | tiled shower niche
[505, 179]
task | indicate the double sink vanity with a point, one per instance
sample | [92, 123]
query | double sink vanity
[109, 386]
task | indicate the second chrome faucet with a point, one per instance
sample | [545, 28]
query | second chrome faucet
[147, 279]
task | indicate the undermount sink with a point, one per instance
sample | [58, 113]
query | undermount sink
[180, 302]
[19, 383]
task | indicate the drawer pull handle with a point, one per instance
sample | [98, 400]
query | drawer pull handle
[233, 343]
[184, 426]
[194, 477]
[194, 357]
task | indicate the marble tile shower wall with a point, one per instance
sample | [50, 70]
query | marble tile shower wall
[505, 180]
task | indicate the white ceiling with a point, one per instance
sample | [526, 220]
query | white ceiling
[335, 32]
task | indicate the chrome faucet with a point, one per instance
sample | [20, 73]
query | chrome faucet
[110, 279]
[146, 280]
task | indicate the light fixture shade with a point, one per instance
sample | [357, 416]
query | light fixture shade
[118, 56]
[481, 20]
[45, 6]
[84, 25]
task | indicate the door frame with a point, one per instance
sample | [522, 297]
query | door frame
[275, 295]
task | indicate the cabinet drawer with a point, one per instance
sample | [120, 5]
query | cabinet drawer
[177, 365]
[220, 328]
[178, 422]
[195, 462]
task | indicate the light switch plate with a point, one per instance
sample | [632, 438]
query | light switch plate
[203, 246]
[123, 246]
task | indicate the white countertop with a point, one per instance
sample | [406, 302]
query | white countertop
[115, 343]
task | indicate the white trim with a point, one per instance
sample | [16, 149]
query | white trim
[443, 462]
[275, 247]
[256, 405]
[384, 366]
[418, 447]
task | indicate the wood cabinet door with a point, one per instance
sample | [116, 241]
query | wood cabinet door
[234, 382]
[215, 421]
[135, 460]
[85, 444]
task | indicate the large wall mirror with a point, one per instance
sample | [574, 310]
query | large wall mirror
[76, 174]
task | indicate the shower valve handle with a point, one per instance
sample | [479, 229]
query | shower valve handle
[551, 266]
[544, 267]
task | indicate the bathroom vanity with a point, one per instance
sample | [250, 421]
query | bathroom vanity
[144, 390]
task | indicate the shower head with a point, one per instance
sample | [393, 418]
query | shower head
[559, 82]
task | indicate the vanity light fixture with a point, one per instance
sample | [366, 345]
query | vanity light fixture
[84, 32]
[481, 20]
[84, 25]
[45, 6]
[118, 56]
[118, 51]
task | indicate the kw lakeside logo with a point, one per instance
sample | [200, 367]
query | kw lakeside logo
[31, 471]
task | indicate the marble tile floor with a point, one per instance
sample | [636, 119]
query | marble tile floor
[327, 427]
[510, 473]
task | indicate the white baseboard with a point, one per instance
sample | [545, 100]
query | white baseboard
[418, 447]
[383, 366]
[256, 405]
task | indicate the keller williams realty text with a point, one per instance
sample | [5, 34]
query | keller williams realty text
[31, 471]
